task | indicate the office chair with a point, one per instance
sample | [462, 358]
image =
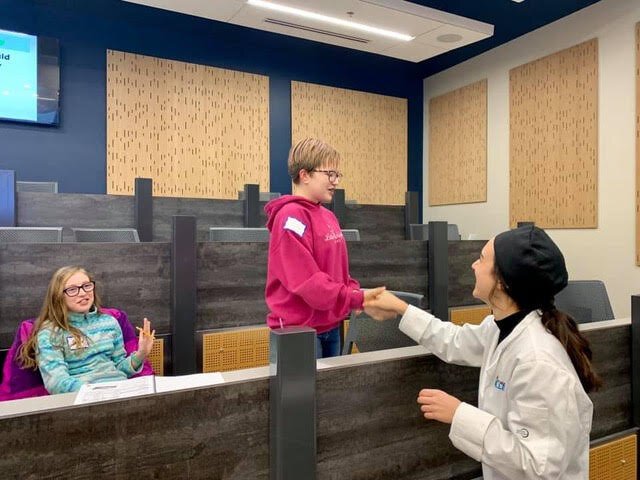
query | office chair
[30, 234]
[369, 334]
[43, 187]
[238, 234]
[121, 235]
[585, 300]
[243, 234]
[420, 231]
[263, 196]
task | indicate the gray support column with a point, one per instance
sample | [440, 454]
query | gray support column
[8, 213]
[252, 205]
[292, 393]
[525, 224]
[183, 294]
[411, 212]
[143, 208]
[338, 205]
[438, 270]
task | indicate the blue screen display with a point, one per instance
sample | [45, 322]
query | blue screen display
[29, 78]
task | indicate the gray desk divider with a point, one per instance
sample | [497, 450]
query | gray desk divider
[635, 360]
[292, 397]
[143, 208]
[438, 269]
[338, 205]
[183, 294]
[252, 205]
[7, 198]
[411, 212]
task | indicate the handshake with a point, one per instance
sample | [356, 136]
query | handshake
[380, 304]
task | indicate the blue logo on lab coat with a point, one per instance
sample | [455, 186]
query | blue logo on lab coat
[499, 384]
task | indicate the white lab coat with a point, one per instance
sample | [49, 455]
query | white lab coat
[533, 417]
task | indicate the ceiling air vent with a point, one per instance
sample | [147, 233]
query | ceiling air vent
[329, 33]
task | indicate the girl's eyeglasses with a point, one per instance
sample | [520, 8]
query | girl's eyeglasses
[332, 174]
[74, 291]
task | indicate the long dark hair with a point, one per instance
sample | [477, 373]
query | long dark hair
[562, 326]
[565, 329]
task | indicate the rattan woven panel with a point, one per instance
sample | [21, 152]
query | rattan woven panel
[614, 460]
[474, 315]
[235, 349]
[156, 356]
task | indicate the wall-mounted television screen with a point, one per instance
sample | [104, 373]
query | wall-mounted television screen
[29, 78]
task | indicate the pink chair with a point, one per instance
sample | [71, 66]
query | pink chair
[18, 382]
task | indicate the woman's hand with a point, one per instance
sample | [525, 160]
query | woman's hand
[145, 339]
[372, 293]
[384, 305]
[438, 405]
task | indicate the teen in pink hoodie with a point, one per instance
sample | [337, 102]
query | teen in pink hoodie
[308, 280]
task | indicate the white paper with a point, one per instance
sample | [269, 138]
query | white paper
[97, 392]
[182, 382]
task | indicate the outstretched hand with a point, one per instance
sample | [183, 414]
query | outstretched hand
[384, 305]
[371, 293]
[375, 313]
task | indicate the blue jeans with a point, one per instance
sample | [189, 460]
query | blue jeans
[328, 343]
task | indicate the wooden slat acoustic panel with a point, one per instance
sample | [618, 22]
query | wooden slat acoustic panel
[369, 131]
[458, 146]
[235, 349]
[638, 144]
[197, 131]
[614, 460]
[553, 120]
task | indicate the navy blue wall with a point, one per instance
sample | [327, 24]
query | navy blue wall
[75, 153]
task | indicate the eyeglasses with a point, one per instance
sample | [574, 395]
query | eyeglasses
[332, 174]
[74, 291]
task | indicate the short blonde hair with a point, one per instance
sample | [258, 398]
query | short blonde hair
[309, 154]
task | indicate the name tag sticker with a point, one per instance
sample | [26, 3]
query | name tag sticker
[295, 226]
[71, 342]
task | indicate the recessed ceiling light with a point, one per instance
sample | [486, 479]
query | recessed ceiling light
[517, 1]
[449, 38]
[333, 20]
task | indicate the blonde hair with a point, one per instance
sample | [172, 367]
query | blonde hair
[54, 310]
[309, 154]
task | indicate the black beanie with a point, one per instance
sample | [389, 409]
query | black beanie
[531, 265]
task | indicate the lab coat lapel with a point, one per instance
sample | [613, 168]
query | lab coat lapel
[521, 327]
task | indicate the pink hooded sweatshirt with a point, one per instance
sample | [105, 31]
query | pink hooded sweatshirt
[308, 280]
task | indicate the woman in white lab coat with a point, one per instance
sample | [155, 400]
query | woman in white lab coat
[533, 417]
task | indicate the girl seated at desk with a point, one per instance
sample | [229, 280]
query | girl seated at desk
[73, 343]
